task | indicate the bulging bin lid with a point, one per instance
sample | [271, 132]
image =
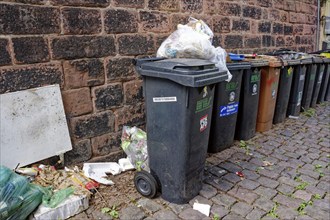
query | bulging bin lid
[307, 60]
[258, 62]
[316, 59]
[273, 61]
[326, 60]
[238, 66]
[293, 62]
[187, 72]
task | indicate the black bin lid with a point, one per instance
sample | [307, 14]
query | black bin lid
[238, 65]
[187, 72]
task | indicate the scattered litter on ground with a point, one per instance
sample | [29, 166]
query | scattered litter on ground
[73, 205]
[202, 208]
[267, 163]
[240, 174]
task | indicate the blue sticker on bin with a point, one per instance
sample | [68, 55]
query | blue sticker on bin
[228, 109]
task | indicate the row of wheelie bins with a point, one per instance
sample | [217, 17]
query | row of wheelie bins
[191, 109]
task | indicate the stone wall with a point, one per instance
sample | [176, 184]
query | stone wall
[87, 47]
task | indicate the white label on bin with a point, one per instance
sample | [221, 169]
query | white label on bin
[164, 99]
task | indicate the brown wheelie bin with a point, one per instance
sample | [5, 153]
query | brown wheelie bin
[268, 92]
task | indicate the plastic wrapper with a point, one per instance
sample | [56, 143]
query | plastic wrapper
[194, 40]
[15, 187]
[52, 200]
[5, 174]
[134, 144]
[30, 201]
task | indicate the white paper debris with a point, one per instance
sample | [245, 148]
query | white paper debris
[125, 164]
[202, 208]
[98, 171]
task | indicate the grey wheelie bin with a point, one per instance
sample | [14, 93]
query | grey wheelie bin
[325, 81]
[249, 100]
[225, 109]
[317, 83]
[297, 87]
[309, 83]
[179, 97]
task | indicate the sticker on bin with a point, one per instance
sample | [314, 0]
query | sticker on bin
[228, 109]
[203, 123]
[164, 99]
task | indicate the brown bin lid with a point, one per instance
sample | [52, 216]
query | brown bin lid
[273, 61]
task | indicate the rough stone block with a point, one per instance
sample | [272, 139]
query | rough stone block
[264, 27]
[30, 49]
[192, 5]
[233, 41]
[120, 21]
[154, 21]
[81, 151]
[135, 44]
[130, 116]
[133, 92]
[221, 25]
[241, 25]
[105, 144]
[77, 102]
[87, 3]
[92, 125]
[119, 68]
[278, 28]
[228, 9]
[25, 19]
[164, 5]
[5, 58]
[74, 47]
[32, 76]
[81, 21]
[81, 73]
[108, 97]
[252, 41]
[251, 12]
[129, 3]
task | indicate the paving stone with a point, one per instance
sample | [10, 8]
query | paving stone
[288, 133]
[248, 166]
[177, 208]
[208, 191]
[323, 186]
[200, 199]
[316, 212]
[190, 213]
[232, 177]
[231, 167]
[165, 215]
[268, 182]
[266, 192]
[288, 201]
[252, 175]
[249, 184]
[309, 180]
[84, 216]
[264, 203]
[322, 204]
[286, 213]
[285, 189]
[243, 194]
[241, 208]
[288, 181]
[310, 173]
[148, 218]
[149, 205]
[224, 200]
[314, 190]
[304, 217]
[131, 212]
[301, 194]
[219, 183]
[219, 210]
[233, 216]
[256, 161]
[269, 173]
[217, 171]
[213, 160]
[255, 214]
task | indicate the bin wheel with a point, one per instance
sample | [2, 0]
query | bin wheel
[145, 184]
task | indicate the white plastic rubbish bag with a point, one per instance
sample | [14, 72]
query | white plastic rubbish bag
[194, 40]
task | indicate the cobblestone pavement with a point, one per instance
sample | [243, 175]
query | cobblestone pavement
[286, 176]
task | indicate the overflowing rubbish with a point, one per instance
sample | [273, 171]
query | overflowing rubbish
[202, 208]
[134, 144]
[194, 40]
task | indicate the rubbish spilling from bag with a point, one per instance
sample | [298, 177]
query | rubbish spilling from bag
[194, 40]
